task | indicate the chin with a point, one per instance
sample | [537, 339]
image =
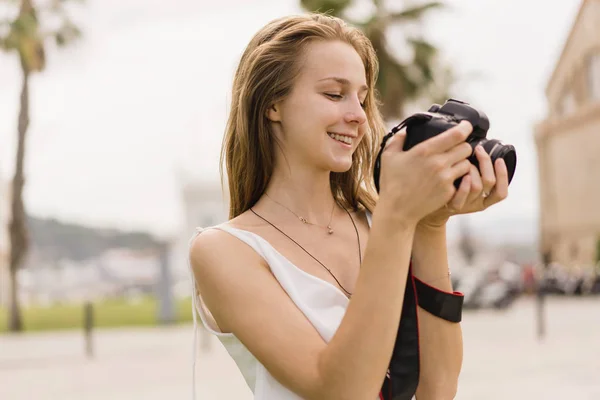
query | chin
[340, 167]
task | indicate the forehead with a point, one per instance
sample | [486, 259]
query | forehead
[332, 58]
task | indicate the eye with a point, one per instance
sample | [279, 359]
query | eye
[334, 96]
[339, 97]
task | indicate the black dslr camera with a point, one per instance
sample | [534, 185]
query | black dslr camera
[425, 125]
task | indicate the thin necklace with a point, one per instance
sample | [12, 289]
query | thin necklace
[304, 220]
[348, 294]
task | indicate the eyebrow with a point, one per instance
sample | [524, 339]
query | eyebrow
[343, 81]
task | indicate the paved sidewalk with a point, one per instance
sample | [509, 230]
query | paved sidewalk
[503, 360]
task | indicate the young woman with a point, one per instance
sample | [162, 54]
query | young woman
[306, 283]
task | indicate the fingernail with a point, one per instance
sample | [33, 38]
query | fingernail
[465, 126]
[480, 149]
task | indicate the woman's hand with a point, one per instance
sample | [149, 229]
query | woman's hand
[416, 182]
[477, 191]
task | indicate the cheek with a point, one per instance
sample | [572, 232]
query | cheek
[306, 119]
[362, 131]
[303, 109]
[293, 120]
[314, 114]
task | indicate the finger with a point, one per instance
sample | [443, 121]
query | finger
[500, 191]
[458, 153]
[476, 184]
[486, 169]
[459, 169]
[396, 142]
[447, 139]
[459, 199]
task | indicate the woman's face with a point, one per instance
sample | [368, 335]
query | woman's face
[323, 120]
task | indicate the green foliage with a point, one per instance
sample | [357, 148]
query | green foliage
[24, 33]
[331, 7]
[414, 13]
[67, 33]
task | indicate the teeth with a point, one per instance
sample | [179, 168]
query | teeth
[340, 138]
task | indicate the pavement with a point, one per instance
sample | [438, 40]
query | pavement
[503, 359]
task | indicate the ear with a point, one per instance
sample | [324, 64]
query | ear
[274, 113]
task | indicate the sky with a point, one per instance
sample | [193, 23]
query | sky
[122, 119]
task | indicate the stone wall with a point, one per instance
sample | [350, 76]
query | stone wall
[568, 147]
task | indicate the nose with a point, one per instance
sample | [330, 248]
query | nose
[356, 114]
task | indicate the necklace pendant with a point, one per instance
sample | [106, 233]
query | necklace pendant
[303, 220]
[330, 231]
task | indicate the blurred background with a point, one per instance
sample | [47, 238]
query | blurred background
[111, 119]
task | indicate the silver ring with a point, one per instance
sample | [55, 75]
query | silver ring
[485, 194]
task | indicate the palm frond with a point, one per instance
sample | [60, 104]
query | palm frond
[335, 8]
[67, 33]
[4, 32]
[24, 33]
[413, 13]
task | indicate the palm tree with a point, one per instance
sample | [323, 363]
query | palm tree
[24, 34]
[423, 77]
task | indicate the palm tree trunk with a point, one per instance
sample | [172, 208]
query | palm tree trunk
[18, 223]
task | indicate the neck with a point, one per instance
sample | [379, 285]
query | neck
[307, 194]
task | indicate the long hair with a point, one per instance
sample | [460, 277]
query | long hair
[265, 75]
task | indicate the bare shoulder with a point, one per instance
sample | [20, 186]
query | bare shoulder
[207, 244]
[216, 249]
[221, 263]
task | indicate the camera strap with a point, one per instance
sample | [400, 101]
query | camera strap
[396, 129]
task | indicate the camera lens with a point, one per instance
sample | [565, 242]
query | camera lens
[496, 149]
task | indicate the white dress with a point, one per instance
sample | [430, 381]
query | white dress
[321, 302]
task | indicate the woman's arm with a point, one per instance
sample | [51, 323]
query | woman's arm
[245, 299]
[441, 347]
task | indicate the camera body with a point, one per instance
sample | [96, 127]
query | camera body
[425, 125]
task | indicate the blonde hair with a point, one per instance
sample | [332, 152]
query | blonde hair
[265, 75]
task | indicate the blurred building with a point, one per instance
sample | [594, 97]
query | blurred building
[117, 272]
[204, 204]
[568, 146]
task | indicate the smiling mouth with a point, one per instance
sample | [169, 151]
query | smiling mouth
[340, 138]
